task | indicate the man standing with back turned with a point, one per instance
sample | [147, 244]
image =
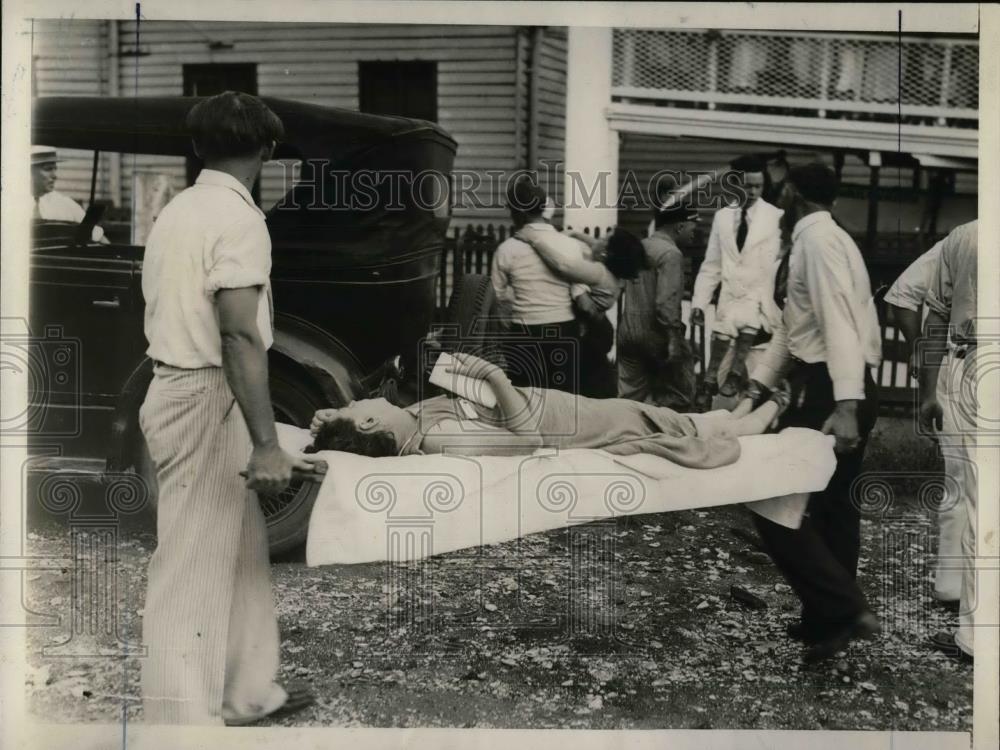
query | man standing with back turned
[655, 363]
[952, 301]
[209, 621]
[831, 332]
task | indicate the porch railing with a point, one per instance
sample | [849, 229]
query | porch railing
[874, 76]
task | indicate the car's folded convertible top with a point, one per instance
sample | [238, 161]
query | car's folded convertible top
[155, 125]
[397, 204]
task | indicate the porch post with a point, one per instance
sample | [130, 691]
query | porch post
[871, 235]
[591, 180]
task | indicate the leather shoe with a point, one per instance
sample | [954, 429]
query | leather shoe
[799, 631]
[949, 605]
[863, 625]
[944, 641]
[300, 696]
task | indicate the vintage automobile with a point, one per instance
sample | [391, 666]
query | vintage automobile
[354, 284]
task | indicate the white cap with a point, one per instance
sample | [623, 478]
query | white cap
[43, 155]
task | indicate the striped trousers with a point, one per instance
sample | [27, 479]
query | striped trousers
[209, 622]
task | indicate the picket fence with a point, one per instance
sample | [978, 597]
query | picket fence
[471, 249]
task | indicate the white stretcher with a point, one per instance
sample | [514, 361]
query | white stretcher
[410, 507]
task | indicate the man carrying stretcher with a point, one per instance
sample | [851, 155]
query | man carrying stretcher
[526, 419]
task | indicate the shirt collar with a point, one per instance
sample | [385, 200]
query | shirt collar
[543, 225]
[807, 221]
[223, 179]
[664, 235]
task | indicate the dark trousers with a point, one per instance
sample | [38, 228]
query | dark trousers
[544, 356]
[820, 558]
[597, 374]
[645, 374]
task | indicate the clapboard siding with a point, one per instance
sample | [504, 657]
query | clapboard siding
[645, 155]
[552, 109]
[71, 58]
[319, 63]
[481, 101]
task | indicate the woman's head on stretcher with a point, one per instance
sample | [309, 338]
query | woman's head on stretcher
[370, 427]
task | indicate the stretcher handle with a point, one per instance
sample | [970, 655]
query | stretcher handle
[304, 476]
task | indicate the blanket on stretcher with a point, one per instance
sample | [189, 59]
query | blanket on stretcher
[405, 508]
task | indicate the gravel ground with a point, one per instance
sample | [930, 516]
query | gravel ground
[628, 624]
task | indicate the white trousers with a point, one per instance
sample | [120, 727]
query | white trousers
[209, 622]
[959, 445]
[953, 514]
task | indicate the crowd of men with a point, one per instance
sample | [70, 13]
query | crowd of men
[795, 306]
[795, 309]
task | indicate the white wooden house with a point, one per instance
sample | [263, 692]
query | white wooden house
[499, 90]
[663, 99]
[897, 116]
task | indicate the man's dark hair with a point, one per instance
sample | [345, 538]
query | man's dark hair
[748, 163]
[232, 124]
[625, 255]
[525, 197]
[343, 435]
[816, 182]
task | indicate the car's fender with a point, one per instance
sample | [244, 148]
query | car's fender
[327, 362]
[125, 423]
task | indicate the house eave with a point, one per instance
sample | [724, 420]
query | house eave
[783, 129]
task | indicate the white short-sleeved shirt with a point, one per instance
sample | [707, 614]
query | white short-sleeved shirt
[55, 206]
[210, 237]
[910, 290]
[954, 290]
[535, 293]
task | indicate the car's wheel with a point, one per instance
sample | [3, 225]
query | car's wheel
[287, 513]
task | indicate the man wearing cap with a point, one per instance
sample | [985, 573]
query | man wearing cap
[655, 364]
[831, 333]
[742, 254]
[50, 204]
[544, 346]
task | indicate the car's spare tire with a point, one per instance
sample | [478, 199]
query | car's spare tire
[471, 310]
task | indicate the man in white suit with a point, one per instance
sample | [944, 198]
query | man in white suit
[742, 254]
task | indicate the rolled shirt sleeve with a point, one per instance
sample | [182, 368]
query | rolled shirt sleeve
[909, 291]
[240, 257]
[942, 288]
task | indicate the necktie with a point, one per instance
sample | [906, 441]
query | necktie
[741, 232]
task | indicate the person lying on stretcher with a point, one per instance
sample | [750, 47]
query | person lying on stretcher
[526, 419]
